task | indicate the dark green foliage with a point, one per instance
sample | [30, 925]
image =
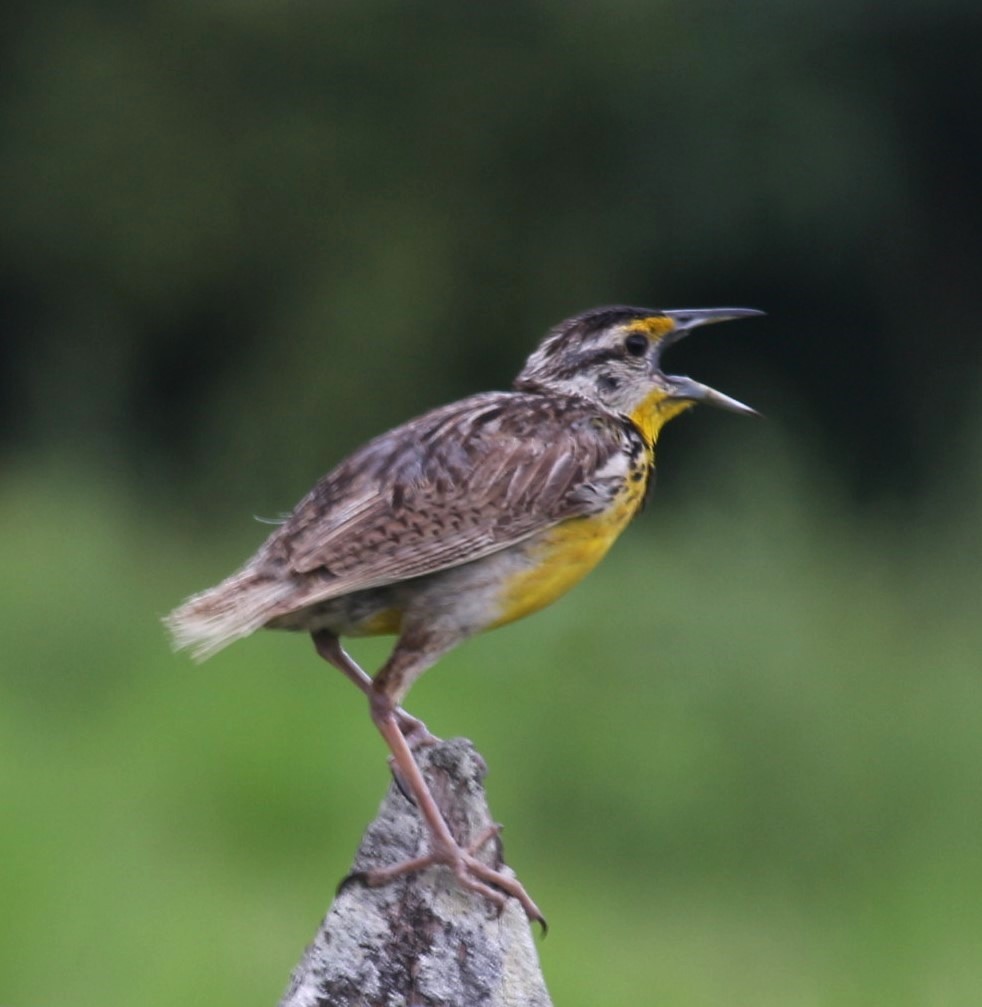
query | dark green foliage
[237, 238]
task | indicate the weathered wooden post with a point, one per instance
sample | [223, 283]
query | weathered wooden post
[422, 940]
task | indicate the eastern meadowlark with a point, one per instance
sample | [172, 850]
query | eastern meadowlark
[463, 519]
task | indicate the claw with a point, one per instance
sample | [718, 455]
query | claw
[355, 877]
[493, 831]
[400, 782]
[471, 874]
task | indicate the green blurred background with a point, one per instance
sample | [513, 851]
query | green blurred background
[741, 763]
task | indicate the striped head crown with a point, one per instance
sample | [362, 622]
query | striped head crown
[612, 355]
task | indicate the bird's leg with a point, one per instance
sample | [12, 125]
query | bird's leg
[471, 873]
[328, 646]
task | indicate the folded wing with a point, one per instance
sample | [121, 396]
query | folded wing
[447, 488]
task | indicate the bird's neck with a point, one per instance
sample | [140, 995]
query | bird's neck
[654, 411]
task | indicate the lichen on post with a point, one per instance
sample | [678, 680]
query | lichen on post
[422, 939]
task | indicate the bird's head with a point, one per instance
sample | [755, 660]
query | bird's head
[613, 356]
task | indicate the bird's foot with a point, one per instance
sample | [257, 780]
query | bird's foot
[471, 873]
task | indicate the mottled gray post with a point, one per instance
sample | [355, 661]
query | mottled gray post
[422, 940]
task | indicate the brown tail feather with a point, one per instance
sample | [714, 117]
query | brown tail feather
[212, 619]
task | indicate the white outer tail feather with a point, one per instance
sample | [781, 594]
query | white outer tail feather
[213, 619]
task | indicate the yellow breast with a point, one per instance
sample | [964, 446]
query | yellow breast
[561, 557]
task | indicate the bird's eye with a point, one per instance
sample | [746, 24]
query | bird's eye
[636, 344]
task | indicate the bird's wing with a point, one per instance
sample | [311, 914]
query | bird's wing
[452, 486]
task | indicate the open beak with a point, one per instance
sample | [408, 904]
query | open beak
[693, 391]
[686, 320]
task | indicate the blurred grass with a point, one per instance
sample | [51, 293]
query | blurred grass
[741, 764]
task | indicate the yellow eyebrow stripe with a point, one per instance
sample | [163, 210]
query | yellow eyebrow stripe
[654, 326]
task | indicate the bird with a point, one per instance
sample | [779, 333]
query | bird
[462, 520]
